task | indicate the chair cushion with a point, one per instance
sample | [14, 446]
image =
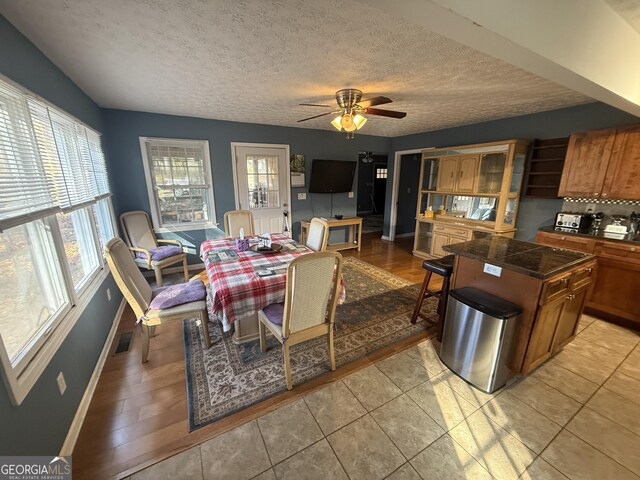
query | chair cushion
[274, 313]
[441, 266]
[185, 310]
[160, 253]
[166, 297]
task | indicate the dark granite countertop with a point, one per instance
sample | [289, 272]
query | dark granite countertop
[597, 235]
[531, 259]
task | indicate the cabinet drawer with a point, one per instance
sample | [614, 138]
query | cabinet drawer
[582, 276]
[620, 251]
[455, 231]
[569, 242]
[554, 289]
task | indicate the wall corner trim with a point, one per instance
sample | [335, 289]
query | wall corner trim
[83, 407]
[384, 237]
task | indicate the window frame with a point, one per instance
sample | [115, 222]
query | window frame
[27, 367]
[154, 200]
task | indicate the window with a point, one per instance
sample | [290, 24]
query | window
[178, 174]
[32, 285]
[55, 217]
[381, 172]
[263, 181]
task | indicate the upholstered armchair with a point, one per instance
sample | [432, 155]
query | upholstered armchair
[150, 252]
[315, 279]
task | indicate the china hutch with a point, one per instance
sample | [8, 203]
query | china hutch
[468, 192]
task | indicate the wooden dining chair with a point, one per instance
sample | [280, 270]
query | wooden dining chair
[237, 219]
[309, 308]
[318, 235]
[146, 249]
[138, 294]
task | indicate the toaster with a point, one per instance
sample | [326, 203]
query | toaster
[574, 220]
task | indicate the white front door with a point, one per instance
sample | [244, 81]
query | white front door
[262, 185]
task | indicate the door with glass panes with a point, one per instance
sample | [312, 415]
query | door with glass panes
[262, 186]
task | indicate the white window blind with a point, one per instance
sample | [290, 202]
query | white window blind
[48, 161]
[24, 185]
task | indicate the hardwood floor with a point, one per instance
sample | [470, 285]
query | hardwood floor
[138, 414]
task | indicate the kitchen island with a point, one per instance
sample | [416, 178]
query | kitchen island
[550, 285]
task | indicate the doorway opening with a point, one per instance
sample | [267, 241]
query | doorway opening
[404, 193]
[372, 190]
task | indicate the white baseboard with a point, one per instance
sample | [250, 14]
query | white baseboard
[404, 235]
[78, 419]
[384, 237]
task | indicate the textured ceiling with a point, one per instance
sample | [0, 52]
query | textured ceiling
[629, 10]
[255, 61]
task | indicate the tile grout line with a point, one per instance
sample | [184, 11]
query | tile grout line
[578, 411]
[326, 437]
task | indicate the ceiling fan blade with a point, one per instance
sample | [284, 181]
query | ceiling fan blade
[315, 116]
[385, 113]
[315, 105]
[372, 102]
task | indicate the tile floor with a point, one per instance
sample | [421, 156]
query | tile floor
[408, 417]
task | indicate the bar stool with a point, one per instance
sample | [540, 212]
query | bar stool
[443, 267]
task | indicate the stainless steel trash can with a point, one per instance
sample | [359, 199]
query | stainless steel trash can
[477, 340]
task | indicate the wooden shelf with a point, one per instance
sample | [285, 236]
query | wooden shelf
[539, 154]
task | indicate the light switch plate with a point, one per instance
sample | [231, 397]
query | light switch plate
[492, 270]
[108, 294]
[350, 194]
[302, 196]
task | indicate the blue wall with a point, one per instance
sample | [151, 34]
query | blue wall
[40, 424]
[123, 129]
[532, 213]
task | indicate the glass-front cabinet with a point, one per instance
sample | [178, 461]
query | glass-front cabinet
[468, 192]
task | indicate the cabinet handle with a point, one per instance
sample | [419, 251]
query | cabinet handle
[633, 249]
[563, 238]
[451, 174]
[596, 194]
[589, 270]
[565, 281]
[570, 297]
[461, 173]
[604, 194]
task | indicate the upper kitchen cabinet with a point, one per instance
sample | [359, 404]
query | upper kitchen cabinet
[603, 164]
[623, 175]
[586, 163]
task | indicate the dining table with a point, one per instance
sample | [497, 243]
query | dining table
[242, 282]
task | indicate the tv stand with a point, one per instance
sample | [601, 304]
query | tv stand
[354, 236]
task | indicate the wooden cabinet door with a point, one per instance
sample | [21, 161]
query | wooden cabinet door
[541, 345]
[586, 163]
[568, 321]
[614, 288]
[467, 174]
[623, 175]
[448, 173]
[439, 241]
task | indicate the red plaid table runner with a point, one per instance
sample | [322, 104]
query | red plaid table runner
[237, 287]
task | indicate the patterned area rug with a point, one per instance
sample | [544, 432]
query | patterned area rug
[227, 378]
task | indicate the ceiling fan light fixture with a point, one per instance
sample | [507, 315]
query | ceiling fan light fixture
[359, 121]
[347, 122]
[336, 122]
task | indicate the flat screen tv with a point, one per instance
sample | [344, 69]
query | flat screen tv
[331, 176]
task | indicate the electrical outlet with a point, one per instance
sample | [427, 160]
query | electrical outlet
[492, 270]
[302, 196]
[62, 385]
[108, 294]
[409, 190]
[350, 194]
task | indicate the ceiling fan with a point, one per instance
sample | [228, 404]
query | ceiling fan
[351, 109]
